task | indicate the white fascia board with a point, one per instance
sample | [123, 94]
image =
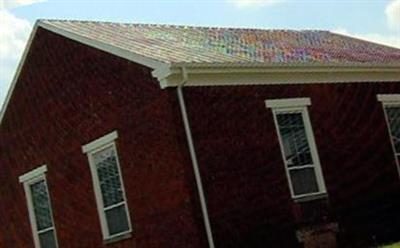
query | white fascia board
[288, 103]
[387, 98]
[18, 71]
[95, 144]
[33, 174]
[281, 75]
[120, 52]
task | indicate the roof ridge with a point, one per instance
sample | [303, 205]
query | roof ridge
[187, 26]
[349, 36]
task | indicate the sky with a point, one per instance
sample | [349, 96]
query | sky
[374, 20]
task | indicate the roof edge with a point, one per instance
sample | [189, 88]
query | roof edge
[153, 64]
[166, 73]
[270, 75]
[18, 71]
[117, 51]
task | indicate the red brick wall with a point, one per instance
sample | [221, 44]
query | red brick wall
[244, 176]
[68, 95]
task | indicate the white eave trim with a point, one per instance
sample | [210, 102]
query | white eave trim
[278, 65]
[277, 75]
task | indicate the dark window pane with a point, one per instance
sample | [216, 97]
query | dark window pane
[393, 114]
[117, 220]
[41, 205]
[303, 181]
[110, 184]
[290, 119]
[47, 239]
[294, 139]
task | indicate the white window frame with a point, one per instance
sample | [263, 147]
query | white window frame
[299, 105]
[28, 179]
[90, 149]
[389, 100]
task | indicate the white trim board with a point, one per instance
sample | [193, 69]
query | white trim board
[387, 98]
[288, 103]
[33, 174]
[102, 141]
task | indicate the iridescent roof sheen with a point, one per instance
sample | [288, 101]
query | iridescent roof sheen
[182, 44]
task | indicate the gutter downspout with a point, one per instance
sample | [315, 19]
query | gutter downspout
[193, 156]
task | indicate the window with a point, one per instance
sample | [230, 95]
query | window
[391, 106]
[39, 208]
[108, 187]
[298, 147]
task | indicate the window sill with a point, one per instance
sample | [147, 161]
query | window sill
[312, 197]
[117, 238]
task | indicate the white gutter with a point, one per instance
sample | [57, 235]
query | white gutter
[193, 156]
[292, 65]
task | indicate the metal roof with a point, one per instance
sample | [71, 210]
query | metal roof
[204, 45]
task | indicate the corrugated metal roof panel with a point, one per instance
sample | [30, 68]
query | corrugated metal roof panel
[182, 44]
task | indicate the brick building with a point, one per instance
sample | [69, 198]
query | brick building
[132, 135]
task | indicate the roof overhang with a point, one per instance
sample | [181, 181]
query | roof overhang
[251, 73]
[120, 52]
[262, 74]
[227, 74]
